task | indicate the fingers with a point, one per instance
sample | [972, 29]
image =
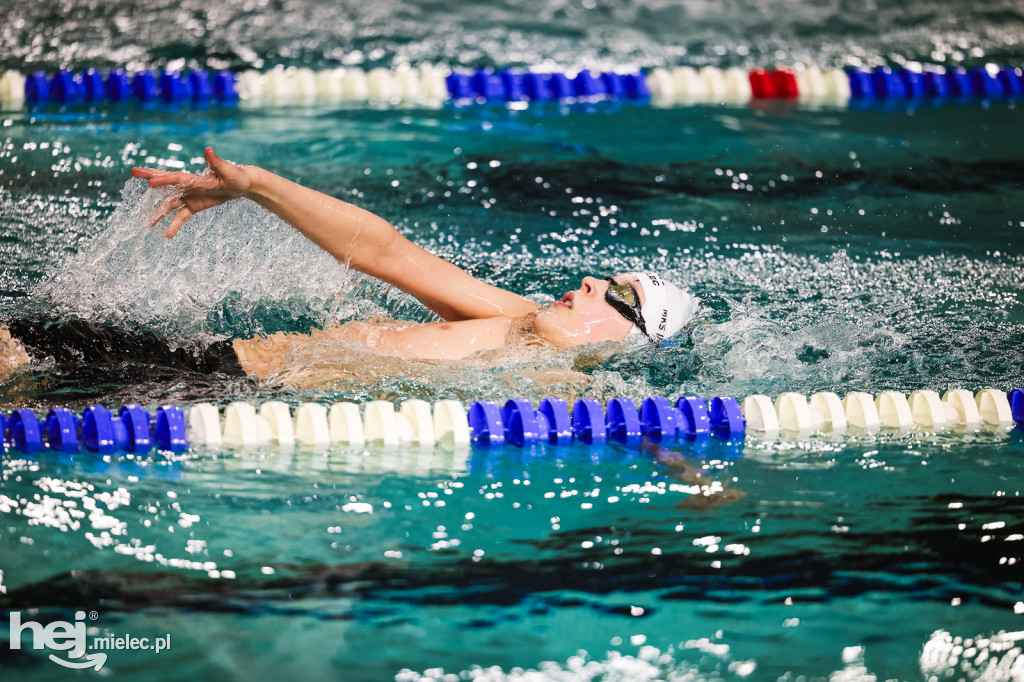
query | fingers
[160, 178]
[165, 179]
[212, 160]
[166, 207]
[224, 169]
[183, 214]
[233, 176]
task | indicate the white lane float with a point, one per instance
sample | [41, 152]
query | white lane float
[204, 425]
[928, 410]
[421, 421]
[794, 414]
[994, 408]
[760, 414]
[345, 425]
[279, 419]
[380, 424]
[311, 427]
[861, 411]
[240, 427]
[451, 425]
[962, 409]
[894, 411]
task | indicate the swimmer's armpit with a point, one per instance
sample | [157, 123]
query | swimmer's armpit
[12, 353]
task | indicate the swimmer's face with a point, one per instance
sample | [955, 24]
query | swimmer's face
[584, 316]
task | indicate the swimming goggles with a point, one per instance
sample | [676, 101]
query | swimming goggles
[623, 298]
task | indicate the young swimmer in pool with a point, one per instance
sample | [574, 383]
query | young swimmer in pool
[634, 308]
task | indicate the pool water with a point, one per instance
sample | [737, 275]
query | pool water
[833, 249]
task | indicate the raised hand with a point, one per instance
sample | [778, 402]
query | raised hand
[222, 181]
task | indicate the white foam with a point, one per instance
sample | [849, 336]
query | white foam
[224, 264]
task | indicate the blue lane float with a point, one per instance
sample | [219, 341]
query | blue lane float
[659, 419]
[556, 411]
[727, 422]
[488, 85]
[37, 88]
[25, 432]
[224, 86]
[936, 85]
[459, 85]
[1017, 406]
[202, 87]
[169, 429]
[587, 85]
[118, 86]
[93, 87]
[524, 425]
[859, 87]
[537, 86]
[959, 82]
[636, 86]
[64, 87]
[62, 430]
[144, 86]
[623, 421]
[985, 84]
[514, 85]
[486, 425]
[136, 424]
[887, 83]
[691, 419]
[862, 85]
[913, 83]
[588, 422]
[695, 421]
[614, 85]
[98, 430]
[1012, 80]
[175, 88]
[561, 86]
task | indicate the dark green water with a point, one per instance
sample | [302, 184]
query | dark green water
[833, 250]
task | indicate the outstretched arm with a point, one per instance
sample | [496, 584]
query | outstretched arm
[363, 240]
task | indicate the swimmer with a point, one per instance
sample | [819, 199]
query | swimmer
[633, 308]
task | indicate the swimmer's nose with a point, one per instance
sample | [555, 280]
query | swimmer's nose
[591, 285]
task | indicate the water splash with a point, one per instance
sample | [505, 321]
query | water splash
[235, 269]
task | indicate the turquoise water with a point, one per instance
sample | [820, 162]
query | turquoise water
[833, 250]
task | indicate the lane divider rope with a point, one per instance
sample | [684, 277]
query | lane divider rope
[430, 84]
[449, 425]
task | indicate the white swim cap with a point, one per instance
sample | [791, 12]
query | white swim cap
[665, 310]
